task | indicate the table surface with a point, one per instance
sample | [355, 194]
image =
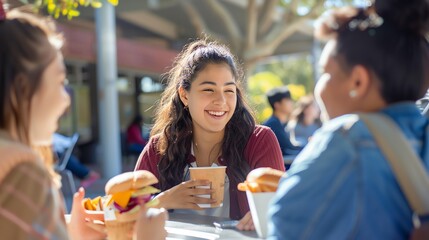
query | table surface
[196, 227]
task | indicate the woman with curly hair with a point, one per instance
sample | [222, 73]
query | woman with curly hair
[203, 120]
[341, 185]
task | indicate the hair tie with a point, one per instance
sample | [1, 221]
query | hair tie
[372, 20]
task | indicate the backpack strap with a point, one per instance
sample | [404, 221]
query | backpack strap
[12, 154]
[406, 164]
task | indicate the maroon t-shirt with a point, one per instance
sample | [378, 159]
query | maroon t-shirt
[262, 150]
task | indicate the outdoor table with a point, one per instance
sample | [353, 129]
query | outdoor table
[196, 227]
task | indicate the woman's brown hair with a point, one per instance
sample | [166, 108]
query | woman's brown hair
[28, 44]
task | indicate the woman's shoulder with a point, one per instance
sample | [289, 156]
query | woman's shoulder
[14, 154]
[261, 132]
[23, 192]
[153, 140]
[150, 156]
[27, 178]
[261, 129]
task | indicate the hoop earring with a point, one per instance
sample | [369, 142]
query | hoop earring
[353, 93]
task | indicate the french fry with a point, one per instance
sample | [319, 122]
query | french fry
[87, 204]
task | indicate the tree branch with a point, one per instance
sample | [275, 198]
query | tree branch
[290, 11]
[252, 16]
[283, 30]
[197, 20]
[315, 10]
[267, 15]
[269, 45]
[230, 24]
[281, 26]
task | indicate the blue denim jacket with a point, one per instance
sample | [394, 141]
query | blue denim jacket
[342, 187]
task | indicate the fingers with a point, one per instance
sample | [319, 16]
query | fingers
[79, 195]
[186, 195]
[143, 213]
[82, 224]
[159, 219]
[246, 223]
[152, 213]
[200, 191]
[94, 215]
[195, 183]
[203, 200]
[77, 206]
[97, 226]
[159, 216]
[151, 222]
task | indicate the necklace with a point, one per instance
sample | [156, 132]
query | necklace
[199, 155]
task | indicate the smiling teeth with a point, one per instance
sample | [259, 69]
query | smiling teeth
[217, 113]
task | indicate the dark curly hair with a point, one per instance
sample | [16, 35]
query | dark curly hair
[389, 38]
[173, 124]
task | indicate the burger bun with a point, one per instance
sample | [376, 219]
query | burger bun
[130, 181]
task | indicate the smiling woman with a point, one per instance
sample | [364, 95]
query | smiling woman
[204, 120]
[32, 98]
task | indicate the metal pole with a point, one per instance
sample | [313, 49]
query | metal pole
[109, 156]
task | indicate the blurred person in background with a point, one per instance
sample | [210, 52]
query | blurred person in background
[135, 141]
[304, 121]
[281, 102]
[86, 176]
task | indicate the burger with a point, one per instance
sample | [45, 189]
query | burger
[263, 179]
[127, 191]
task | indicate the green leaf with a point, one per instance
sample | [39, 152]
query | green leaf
[51, 8]
[68, 8]
[57, 13]
[74, 13]
[96, 4]
[113, 2]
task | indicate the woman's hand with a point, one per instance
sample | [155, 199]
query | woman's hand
[151, 222]
[246, 223]
[185, 195]
[82, 224]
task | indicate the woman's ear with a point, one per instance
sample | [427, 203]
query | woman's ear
[360, 82]
[183, 94]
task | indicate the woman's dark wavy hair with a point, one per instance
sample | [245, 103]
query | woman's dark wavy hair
[396, 52]
[173, 124]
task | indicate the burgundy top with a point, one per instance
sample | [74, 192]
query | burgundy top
[262, 150]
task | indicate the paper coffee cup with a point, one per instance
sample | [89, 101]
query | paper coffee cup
[216, 175]
[258, 204]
